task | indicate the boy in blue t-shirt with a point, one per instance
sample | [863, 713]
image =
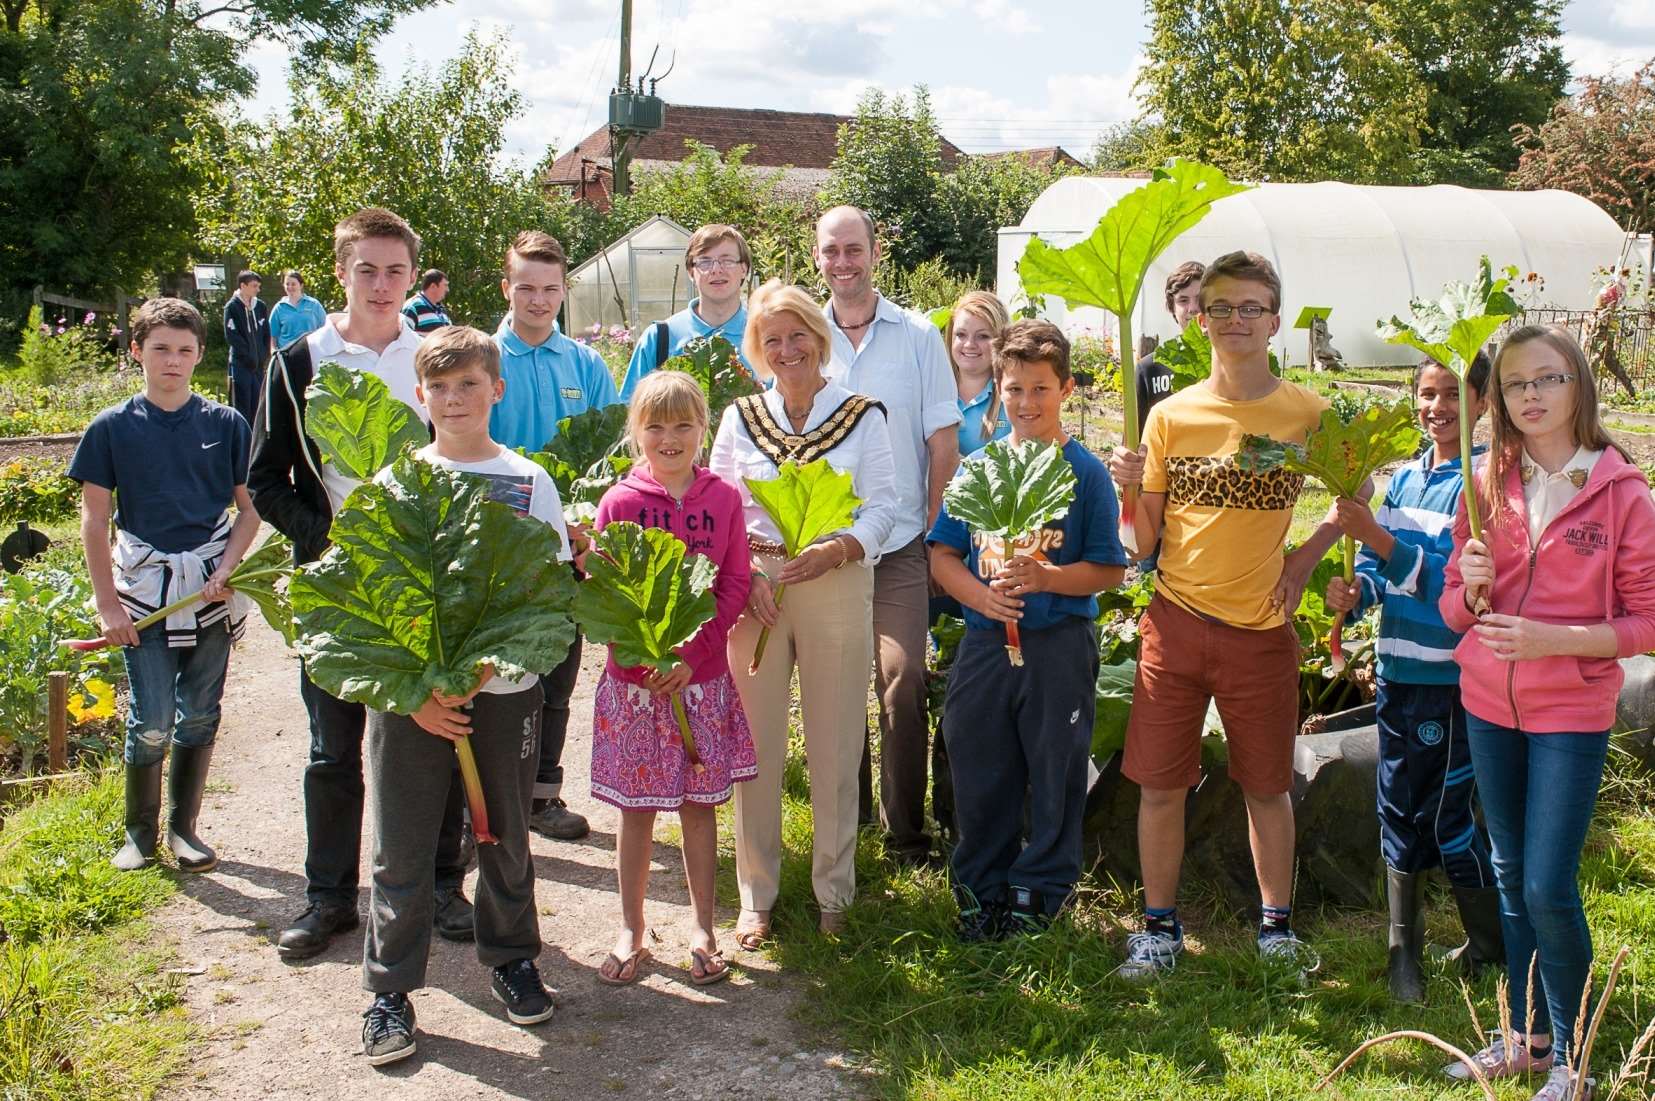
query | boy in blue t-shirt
[169, 463]
[1009, 727]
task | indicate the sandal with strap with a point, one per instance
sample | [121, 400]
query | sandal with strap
[623, 972]
[753, 929]
[707, 968]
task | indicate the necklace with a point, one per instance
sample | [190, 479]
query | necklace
[860, 324]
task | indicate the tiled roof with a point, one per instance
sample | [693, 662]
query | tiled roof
[1048, 157]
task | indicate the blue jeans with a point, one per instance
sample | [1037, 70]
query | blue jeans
[1538, 792]
[175, 691]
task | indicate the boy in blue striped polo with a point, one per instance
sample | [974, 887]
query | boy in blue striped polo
[1426, 792]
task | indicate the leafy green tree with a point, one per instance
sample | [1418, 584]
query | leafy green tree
[428, 146]
[889, 163]
[974, 201]
[1600, 144]
[1282, 89]
[1484, 74]
[98, 98]
[1126, 147]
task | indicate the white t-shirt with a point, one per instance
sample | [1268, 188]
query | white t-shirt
[520, 483]
[394, 367]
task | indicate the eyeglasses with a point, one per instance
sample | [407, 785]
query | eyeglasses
[1545, 384]
[707, 264]
[1222, 311]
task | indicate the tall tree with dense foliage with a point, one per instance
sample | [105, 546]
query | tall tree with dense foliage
[1282, 89]
[98, 98]
[428, 146]
[1484, 72]
[889, 162]
[1599, 144]
[975, 200]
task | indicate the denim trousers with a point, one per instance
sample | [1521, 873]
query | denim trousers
[175, 691]
[1538, 792]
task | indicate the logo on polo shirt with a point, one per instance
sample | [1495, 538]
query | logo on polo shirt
[573, 393]
[1430, 733]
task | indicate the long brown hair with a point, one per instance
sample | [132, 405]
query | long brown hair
[987, 308]
[1505, 451]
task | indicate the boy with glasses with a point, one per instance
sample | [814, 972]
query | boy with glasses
[718, 262]
[1218, 626]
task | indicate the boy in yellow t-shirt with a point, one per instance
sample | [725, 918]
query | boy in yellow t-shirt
[1217, 627]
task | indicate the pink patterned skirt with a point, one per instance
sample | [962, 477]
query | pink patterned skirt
[638, 759]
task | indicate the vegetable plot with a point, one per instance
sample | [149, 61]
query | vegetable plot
[805, 503]
[263, 577]
[1107, 269]
[1009, 493]
[1452, 330]
[645, 595]
[426, 581]
[1342, 456]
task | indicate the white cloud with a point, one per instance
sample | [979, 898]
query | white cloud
[1590, 56]
[1000, 17]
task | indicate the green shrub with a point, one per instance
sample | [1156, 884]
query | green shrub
[39, 608]
[35, 490]
[55, 350]
[1092, 360]
[927, 286]
[32, 408]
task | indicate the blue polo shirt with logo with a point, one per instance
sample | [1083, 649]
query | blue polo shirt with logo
[544, 384]
[682, 327]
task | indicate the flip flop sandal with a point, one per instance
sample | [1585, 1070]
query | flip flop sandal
[704, 961]
[752, 934]
[627, 971]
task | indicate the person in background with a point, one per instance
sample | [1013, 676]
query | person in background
[718, 262]
[974, 324]
[424, 311]
[247, 332]
[296, 314]
[1183, 303]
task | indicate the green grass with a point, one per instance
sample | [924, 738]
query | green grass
[86, 1008]
[1043, 1017]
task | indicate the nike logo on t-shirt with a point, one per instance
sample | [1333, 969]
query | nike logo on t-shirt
[215, 443]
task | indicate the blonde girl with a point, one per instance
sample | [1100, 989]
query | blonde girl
[976, 319]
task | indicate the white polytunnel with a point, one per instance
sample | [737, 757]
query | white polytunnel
[1362, 251]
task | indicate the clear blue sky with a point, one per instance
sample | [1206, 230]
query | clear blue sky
[1003, 74]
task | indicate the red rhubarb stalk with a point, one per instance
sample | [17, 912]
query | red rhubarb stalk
[1335, 638]
[1014, 638]
[764, 638]
[684, 731]
[474, 792]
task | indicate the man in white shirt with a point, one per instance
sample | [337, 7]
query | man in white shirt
[898, 358]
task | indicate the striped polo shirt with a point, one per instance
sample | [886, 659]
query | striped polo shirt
[1414, 645]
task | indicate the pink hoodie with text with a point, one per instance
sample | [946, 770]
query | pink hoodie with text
[1595, 563]
[709, 521]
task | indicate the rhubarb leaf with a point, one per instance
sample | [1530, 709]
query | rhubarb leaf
[644, 594]
[1340, 454]
[359, 426]
[1189, 356]
[426, 580]
[713, 363]
[1010, 490]
[806, 502]
[263, 577]
[584, 439]
[1454, 328]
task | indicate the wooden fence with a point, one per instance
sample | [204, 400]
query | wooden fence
[117, 311]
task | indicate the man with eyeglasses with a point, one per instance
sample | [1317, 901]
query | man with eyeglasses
[718, 262]
[1219, 626]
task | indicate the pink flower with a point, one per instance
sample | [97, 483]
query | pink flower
[89, 318]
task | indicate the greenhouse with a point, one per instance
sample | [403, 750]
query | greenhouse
[634, 281]
[1361, 251]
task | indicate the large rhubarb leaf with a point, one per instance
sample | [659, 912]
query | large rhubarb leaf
[806, 502]
[1189, 356]
[359, 426]
[713, 363]
[426, 580]
[1341, 455]
[263, 577]
[644, 595]
[1011, 490]
[585, 438]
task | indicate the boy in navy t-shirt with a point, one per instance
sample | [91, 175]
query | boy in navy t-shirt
[1010, 727]
[170, 462]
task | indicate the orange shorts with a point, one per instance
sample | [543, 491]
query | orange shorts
[1185, 661]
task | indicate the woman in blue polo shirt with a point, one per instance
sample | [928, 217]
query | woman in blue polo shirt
[974, 322]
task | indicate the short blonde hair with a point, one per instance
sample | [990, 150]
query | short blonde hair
[454, 348]
[665, 397]
[772, 299]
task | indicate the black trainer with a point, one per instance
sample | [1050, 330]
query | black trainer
[1026, 913]
[454, 916]
[518, 987]
[981, 924]
[312, 930]
[388, 1029]
[556, 820]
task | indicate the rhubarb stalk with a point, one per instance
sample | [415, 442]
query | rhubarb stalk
[474, 791]
[764, 637]
[684, 730]
[1335, 637]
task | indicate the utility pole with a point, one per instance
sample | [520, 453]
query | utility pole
[618, 141]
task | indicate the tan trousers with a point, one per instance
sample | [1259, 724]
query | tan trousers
[826, 630]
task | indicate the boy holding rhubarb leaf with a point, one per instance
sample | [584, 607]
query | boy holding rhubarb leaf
[169, 464]
[1025, 540]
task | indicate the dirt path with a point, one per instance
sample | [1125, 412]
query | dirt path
[271, 1030]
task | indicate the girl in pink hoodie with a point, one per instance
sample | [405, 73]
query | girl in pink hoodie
[1562, 585]
[638, 759]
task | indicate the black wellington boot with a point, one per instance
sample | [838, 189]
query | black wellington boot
[1407, 939]
[1485, 943]
[143, 812]
[187, 784]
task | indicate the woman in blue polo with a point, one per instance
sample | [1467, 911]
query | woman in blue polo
[973, 323]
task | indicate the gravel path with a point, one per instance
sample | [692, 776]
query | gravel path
[271, 1030]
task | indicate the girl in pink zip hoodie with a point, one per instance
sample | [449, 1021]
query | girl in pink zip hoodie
[638, 758]
[1564, 580]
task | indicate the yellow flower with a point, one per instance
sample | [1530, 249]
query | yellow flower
[96, 700]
